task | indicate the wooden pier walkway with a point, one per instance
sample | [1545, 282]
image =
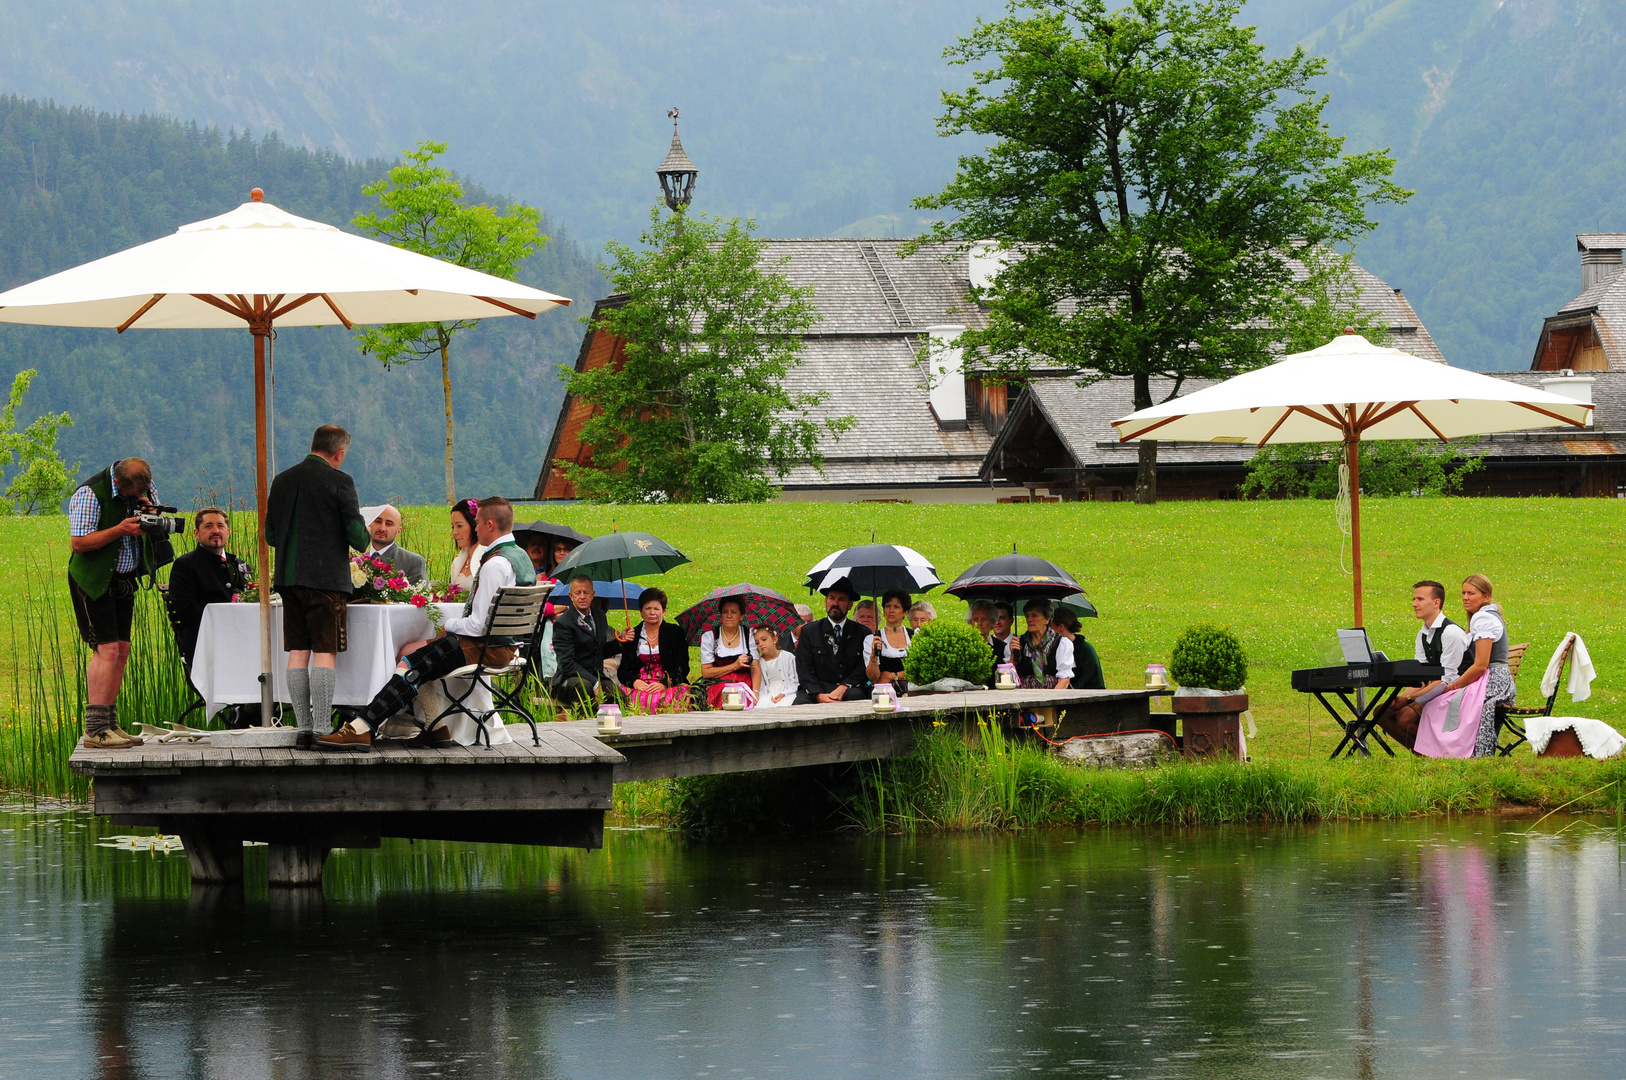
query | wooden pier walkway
[303, 804]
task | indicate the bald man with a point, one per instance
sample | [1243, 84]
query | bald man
[385, 530]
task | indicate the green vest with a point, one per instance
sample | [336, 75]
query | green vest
[524, 574]
[93, 570]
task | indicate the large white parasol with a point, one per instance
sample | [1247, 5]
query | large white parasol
[1350, 390]
[258, 267]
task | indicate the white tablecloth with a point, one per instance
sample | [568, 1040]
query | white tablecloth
[226, 667]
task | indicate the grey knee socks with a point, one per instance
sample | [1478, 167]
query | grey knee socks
[98, 718]
[322, 680]
[299, 692]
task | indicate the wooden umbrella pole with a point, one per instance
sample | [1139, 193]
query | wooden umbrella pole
[1352, 448]
[261, 487]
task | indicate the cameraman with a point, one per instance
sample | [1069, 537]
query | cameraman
[112, 551]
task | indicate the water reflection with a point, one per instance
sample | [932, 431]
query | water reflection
[1414, 949]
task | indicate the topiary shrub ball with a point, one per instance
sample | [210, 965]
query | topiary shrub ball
[1209, 656]
[948, 649]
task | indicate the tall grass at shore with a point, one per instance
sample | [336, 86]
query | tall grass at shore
[993, 782]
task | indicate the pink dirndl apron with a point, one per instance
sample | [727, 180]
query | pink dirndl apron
[662, 697]
[1450, 722]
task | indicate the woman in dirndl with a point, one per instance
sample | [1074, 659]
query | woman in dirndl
[654, 669]
[885, 649]
[1034, 653]
[1461, 720]
[727, 653]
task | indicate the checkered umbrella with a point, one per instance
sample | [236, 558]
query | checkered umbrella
[762, 607]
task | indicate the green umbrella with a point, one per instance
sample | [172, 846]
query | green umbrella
[620, 555]
[1079, 605]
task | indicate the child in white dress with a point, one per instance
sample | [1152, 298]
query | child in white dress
[775, 675]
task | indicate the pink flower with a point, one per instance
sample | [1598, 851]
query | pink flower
[398, 582]
[419, 600]
[379, 583]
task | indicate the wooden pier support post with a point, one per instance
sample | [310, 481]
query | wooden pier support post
[295, 865]
[216, 857]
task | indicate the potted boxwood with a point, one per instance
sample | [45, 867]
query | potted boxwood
[947, 649]
[1210, 671]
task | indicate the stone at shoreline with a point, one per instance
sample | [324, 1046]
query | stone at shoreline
[1132, 751]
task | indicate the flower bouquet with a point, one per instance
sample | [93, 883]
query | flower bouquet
[376, 582]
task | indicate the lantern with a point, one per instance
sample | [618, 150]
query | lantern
[1005, 677]
[609, 718]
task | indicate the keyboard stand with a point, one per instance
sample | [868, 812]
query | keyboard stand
[1364, 723]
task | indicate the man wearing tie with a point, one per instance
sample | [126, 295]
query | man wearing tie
[582, 641]
[830, 652]
[384, 528]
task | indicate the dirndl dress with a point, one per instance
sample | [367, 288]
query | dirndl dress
[661, 697]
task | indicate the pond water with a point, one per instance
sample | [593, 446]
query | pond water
[1432, 948]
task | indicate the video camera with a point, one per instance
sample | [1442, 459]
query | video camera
[153, 519]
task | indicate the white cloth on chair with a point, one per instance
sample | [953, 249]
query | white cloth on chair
[1598, 739]
[436, 697]
[1581, 670]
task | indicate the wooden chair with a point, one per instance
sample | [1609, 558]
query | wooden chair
[196, 699]
[1505, 722]
[515, 614]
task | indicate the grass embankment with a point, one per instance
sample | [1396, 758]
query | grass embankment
[1271, 570]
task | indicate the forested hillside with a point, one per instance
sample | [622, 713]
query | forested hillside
[76, 185]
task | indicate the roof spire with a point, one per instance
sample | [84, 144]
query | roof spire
[677, 173]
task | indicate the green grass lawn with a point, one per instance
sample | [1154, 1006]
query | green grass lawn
[1271, 570]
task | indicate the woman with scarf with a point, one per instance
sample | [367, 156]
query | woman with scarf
[1461, 720]
[1043, 658]
[654, 669]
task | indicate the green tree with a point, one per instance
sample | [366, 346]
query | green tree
[1391, 467]
[699, 411]
[425, 213]
[1148, 168]
[41, 481]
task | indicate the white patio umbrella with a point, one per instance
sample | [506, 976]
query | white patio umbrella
[259, 267]
[1350, 390]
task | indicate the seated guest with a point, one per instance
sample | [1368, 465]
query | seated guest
[727, 654]
[791, 638]
[561, 551]
[774, 677]
[981, 616]
[1005, 629]
[466, 563]
[1035, 656]
[1440, 641]
[1461, 722]
[885, 650]
[1075, 655]
[921, 613]
[654, 668]
[385, 530]
[203, 576]
[865, 614]
[460, 642]
[830, 654]
[582, 641]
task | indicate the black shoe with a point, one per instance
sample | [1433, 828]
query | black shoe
[305, 740]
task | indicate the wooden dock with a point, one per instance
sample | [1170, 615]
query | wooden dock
[303, 804]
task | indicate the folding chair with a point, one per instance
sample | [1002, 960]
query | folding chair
[515, 613]
[1506, 713]
[197, 702]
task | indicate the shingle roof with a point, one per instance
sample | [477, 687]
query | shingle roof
[1082, 418]
[1600, 241]
[1604, 304]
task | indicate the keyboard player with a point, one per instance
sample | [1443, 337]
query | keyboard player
[1440, 641]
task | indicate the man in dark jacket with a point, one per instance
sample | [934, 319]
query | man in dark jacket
[582, 641]
[314, 522]
[830, 653]
[203, 576]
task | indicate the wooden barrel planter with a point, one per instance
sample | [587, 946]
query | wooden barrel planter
[1211, 726]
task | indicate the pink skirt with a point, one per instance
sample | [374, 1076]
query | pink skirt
[1450, 722]
[661, 697]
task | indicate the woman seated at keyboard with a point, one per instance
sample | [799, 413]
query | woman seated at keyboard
[1462, 721]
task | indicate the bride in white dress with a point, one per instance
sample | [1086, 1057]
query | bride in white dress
[466, 563]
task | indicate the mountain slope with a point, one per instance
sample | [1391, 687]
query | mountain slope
[76, 185]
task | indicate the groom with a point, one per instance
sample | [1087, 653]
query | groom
[384, 527]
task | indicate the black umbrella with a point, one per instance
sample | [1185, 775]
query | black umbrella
[872, 569]
[1079, 605]
[1014, 578]
[552, 532]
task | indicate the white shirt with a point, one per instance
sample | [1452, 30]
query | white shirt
[886, 646]
[1485, 624]
[1064, 657]
[496, 574]
[1453, 643]
[374, 549]
[711, 647]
